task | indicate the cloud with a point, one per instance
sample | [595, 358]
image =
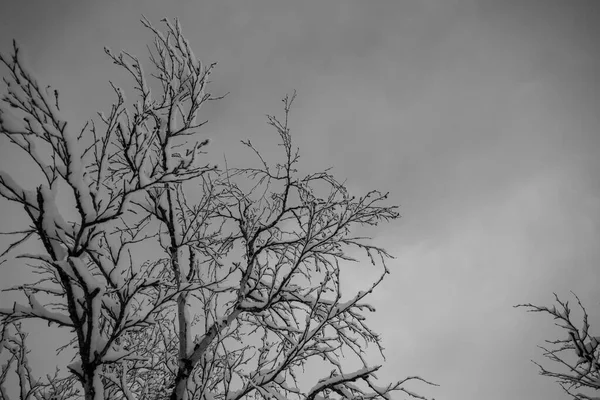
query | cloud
[480, 117]
[447, 307]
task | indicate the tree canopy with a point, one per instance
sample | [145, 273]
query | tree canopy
[175, 278]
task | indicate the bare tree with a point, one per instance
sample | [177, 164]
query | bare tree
[577, 353]
[175, 278]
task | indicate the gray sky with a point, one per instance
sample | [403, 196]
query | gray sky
[480, 118]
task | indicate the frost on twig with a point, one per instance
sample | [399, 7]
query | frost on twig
[578, 353]
[175, 279]
[89, 283]
[344, 386]
[14, 352]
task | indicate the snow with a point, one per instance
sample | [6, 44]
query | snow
[143, 177]
[76, 367]
[18, 95]
[191, 55]
[114, 273]
[65, 267]
[121, 94]
[37, 310]
[52, 221]
[185, 160]
[8, 185]
[41, 311]
[51, 209]
[162, 130]
[334, 380]
[141, 136]
[271, 393]
[46, 169]
[111, 304]
[291, 329]
[170, 177]
[145, 88]
[98, 386]
[74, 266]
[75, 177]
[169, 155]
[50, 102]
[8, 121]
[51, 130]
[163, 200]
[188, 331]
[80, 267]
[234, 394]
[114, 355]
[591, 346]
[173, 116]
[247, 303]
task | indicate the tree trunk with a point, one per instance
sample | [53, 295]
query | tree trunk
[92, 391]
[181, 380]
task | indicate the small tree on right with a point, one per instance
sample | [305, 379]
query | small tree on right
[577, 352]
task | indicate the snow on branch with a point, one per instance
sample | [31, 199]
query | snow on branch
[578, 354]
[13, 342]
[294, 232]
[105, 171]
[342, 385]
[35, 310]
[176, 279]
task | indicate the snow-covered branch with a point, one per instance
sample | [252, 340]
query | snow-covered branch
[174, 278]
[578, 354]
[106, 169]
[50, 387]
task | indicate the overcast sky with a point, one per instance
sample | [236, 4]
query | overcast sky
[480, 117]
